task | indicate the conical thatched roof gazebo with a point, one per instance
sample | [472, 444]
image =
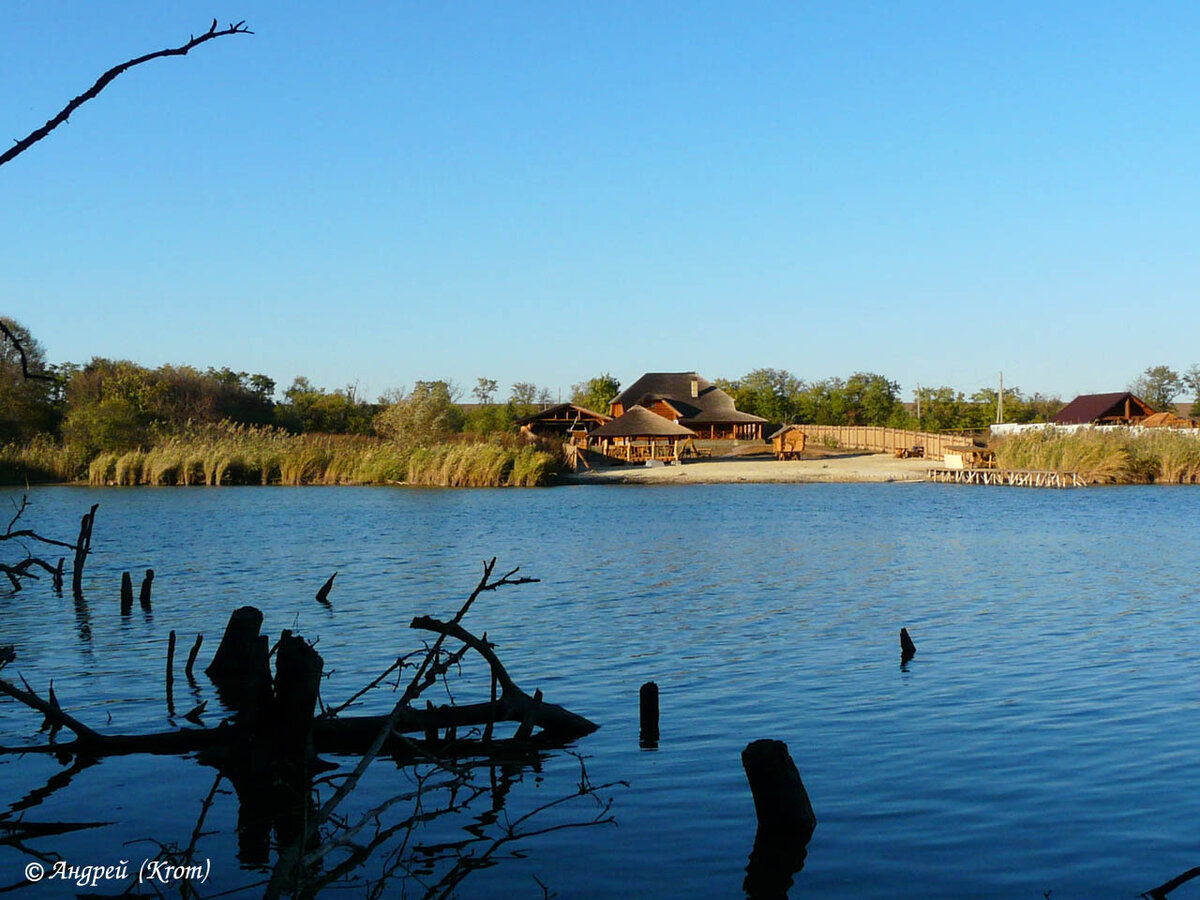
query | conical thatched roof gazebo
[638, 434]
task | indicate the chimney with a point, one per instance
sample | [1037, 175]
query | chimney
[695, 388]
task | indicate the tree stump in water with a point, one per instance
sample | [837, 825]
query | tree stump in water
[297, 682]
[144, 597]
[785, 819]
[240, 668]
[780, 800]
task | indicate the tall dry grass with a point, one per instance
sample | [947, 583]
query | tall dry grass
[1107, 456]
[234, 454]
[42, 460]
[480, 464]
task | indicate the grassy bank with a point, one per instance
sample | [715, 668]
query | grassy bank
[228, 455]
[1107, 457]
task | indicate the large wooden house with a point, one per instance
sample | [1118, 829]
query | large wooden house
[689, 400]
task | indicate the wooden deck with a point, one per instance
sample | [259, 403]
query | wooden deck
[1008, 477]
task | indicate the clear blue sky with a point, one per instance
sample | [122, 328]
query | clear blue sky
[385, 192]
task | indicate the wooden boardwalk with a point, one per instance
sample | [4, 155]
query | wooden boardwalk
[1008, 477]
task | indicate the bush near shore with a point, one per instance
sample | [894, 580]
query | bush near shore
[1108, 456]
[230, 454]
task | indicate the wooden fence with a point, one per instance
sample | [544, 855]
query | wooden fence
[880, 439]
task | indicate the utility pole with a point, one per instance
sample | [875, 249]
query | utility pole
[1000, 402]
[918, 405]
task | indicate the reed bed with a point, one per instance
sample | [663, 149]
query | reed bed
[480, 464]
[230, 454]
[1117, 456]
[40, 461]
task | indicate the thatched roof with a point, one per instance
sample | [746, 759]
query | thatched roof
[640, 422]
[709, 406]
[1088, 408]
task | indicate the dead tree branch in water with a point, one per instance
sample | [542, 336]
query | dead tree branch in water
[23, 537]
[104, 80]
[289, 868]
[1161, 892]
[268, 753]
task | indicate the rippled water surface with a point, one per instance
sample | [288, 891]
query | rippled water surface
[1045, 738]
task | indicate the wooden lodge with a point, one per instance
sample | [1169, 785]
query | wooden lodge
[693, 402]
[567, 421]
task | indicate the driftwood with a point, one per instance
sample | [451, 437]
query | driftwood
[240, 669]
[270, 750]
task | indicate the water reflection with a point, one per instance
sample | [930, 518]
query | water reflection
[83, 618]
[774, 859]
[399, 846]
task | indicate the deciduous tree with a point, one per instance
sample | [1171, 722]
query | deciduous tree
[1158, 386]
[596, 393]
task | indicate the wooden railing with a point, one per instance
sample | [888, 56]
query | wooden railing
[880, 439]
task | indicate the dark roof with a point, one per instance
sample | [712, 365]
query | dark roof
[640, 422]
[711, 405]
[1088, 408]
[560, 409]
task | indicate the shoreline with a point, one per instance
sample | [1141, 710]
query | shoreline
[867, 468]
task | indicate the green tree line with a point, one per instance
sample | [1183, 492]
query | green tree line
[867, 398]
[108, 406]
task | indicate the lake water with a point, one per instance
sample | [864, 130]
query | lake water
[1044, 739]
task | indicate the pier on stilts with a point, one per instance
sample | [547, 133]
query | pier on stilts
[1008, 477]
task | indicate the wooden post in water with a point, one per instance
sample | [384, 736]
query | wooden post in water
[648, 714]
[126, 594]
[144, 597]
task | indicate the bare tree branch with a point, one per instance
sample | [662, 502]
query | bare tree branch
[29, 376]
[102, 82]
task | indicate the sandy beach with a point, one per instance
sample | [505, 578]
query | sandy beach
[844, 467]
